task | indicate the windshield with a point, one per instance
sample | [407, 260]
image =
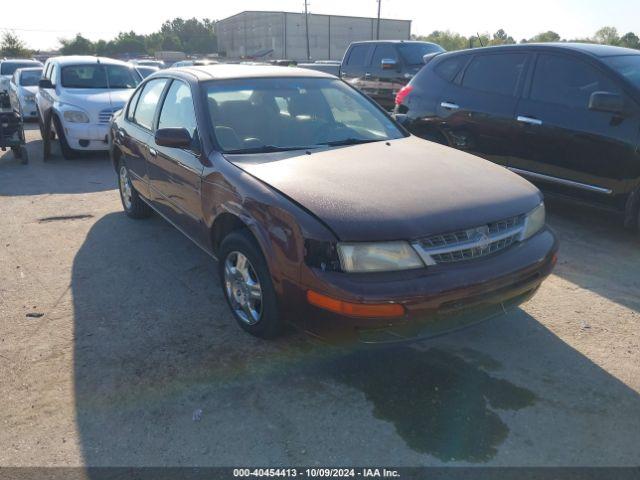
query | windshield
[626, 65]
[272, 114]
[30, 78]
[412, 53]
[99, 76]
[8, 68]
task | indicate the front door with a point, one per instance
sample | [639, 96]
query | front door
[565, 145]
[176, 173]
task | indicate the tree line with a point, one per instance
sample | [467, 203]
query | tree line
[194, 36]
[454, 41]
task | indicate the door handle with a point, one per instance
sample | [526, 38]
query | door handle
[152, 152]
[449, 106]
[529, 120]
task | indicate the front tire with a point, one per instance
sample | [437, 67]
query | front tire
[68, 153]
[247, 285]
[132, 203]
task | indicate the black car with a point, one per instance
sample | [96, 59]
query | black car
[566, 116]
[381, 68]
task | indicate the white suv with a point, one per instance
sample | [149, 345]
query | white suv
[77, 96]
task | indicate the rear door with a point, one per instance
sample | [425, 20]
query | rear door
[137, 138]
[355, 66]
[564, 144]
[176, 173]
[477, 109]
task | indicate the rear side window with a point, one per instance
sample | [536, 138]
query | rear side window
[567, 81]
[495, 73]
[449, 68]
[383, 52]
[358, 56]
[148, 102]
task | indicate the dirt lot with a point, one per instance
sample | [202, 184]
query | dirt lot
[135, 359]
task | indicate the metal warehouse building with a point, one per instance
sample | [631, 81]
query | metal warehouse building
[282, 34]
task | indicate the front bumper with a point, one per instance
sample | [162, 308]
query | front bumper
[437, 300]
[87, 136]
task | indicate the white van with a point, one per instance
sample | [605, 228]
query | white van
[77, 96]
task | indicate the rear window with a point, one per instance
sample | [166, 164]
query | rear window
[99, 76]
[412, 53]
[495, 73]
[8, 67]
[449, 68]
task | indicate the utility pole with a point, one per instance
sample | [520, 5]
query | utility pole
[378, 24]
[306, 21]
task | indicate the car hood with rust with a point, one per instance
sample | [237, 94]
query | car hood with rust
[402, 189]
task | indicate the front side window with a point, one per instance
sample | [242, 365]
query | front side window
[567, 81]
[99, 76]
[290, 113]
[383, 52]
[30, 78]
[149, 99]
[498, 73]
[177, 110]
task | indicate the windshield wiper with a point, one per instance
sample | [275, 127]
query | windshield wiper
[349, 141]
[268, 149]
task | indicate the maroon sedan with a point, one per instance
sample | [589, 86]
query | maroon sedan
[321, 210]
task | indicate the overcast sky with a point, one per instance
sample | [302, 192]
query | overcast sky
[40, 22]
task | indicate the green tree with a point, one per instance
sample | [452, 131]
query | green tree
[196, 36]
[607, 36]
[501, 38]
[128, 43]
[630, 40]
[549, 36]
[12, 46]
[77, 46]
[446, 39]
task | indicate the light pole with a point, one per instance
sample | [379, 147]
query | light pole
[378, 24]
[306, 21]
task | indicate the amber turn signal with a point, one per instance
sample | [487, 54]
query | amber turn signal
[383, 310]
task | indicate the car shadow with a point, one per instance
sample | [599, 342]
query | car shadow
[163, 377]
[596, 252]
[92, 172]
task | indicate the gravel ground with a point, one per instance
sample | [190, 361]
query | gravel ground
[116, 348]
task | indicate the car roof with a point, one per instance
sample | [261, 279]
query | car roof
[592, 49]
[392, 41]
[86, 59]
[204, 73]
[29, 69]
[21, 60]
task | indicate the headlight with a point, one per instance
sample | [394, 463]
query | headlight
[534, 222]
[378, 257]
[75, 116]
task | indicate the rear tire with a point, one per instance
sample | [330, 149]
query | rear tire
[260, 318]
[133, 205]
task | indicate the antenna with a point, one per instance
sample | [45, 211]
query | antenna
[480, 38]
[306, 21]
[378, 23]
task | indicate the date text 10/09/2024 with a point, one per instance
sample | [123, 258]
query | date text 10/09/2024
[316, 473]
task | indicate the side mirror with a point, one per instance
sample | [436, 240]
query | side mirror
[401, 118]
[388, 64]
[173, 138]
[45, 83]
[607, 102]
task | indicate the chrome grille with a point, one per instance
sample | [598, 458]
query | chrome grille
[105, 115]
[471, 243]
